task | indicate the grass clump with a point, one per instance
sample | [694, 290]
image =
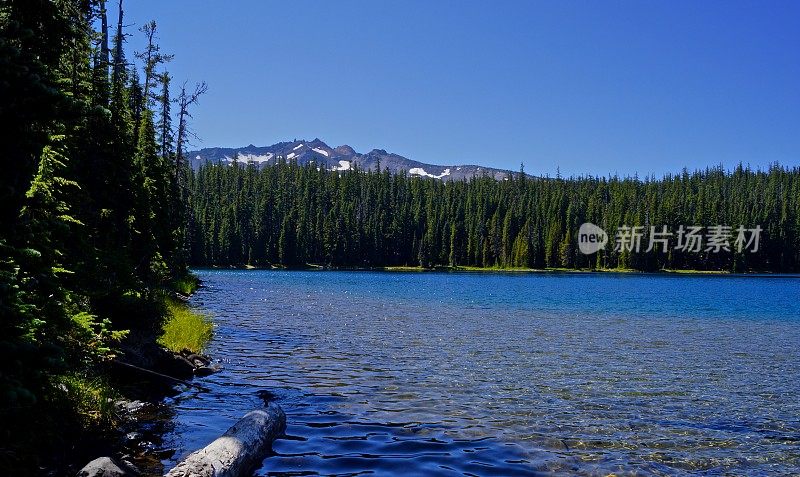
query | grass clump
[91, 399]
[186, 328]
[186, 284]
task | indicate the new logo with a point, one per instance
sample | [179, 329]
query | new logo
[591, 238]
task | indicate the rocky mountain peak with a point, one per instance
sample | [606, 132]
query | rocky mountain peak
[345, 150]
[342, 158]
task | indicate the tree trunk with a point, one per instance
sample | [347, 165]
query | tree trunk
[240, 450]
[104, 38]
[119, 65]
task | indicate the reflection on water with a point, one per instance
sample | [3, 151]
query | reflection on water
[499, 374]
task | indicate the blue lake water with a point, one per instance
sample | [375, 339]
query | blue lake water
[384, 373]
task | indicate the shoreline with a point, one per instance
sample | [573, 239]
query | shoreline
[148, 370]
[500, 270]
[140, 416]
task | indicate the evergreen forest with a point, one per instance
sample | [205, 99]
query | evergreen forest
[92, 215]
[290, 215]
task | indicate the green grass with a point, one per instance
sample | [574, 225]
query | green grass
[696, 272]
[468, 268]
[91, 399]
[402, 268]
[185, 328]
[186, 285]
[74, 414]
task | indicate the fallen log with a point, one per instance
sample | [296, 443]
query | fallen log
[240, 450]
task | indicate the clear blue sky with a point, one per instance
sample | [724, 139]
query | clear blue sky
[588, 86]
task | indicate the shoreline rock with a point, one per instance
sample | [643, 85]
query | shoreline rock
[108, 467]
[147, 374]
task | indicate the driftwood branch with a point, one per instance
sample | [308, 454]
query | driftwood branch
[240, 450]
[159, 375]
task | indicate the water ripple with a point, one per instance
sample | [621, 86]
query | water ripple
[467, 374]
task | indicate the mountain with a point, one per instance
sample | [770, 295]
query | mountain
[340, 158]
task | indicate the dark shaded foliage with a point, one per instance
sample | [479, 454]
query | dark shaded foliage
[88, 236]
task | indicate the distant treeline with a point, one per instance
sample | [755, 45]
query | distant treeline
[293, 215]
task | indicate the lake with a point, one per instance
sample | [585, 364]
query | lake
[386, 373]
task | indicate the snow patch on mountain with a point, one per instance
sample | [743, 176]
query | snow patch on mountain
[341, 158]
[418, 171]
[343, 166]
[241, 157]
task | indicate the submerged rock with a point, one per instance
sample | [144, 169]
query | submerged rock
[198, 360]
[131, 407]
[133, 438]
[107, 467]
[266, 396]
[176, 366]
[204, 371]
